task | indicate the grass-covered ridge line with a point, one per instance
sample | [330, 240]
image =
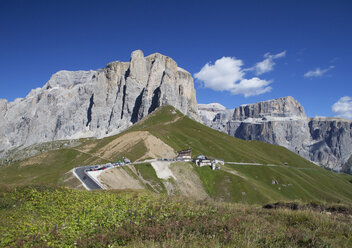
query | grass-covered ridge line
[181, 132]
[58, 217]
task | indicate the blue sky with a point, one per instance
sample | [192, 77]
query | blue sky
[298, 38]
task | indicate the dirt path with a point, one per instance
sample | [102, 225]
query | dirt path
[273, 165]
[234, 172]
[173, 121]
[92, 155]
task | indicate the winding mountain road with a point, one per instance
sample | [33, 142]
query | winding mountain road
[86, 180]
[90, 183]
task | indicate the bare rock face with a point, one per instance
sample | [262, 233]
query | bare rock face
[331, 141]
[207, 112]
[281, 107]
[325, 141]
[347, 167]
[76, 104]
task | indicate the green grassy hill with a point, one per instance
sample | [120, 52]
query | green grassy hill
[298, 180]
[181, 132]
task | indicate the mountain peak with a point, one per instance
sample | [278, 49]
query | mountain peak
[280, 107]
[211, 106]
[77, 104]
[137, 54]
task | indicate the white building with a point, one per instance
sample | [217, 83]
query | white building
[201, 160]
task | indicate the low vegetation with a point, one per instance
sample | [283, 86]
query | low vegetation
[41, 216]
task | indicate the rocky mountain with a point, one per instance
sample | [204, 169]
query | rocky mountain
[76, 104]
[207, 112]
[282, 121]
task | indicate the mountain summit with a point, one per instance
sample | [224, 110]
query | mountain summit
[282, 121]
[76, 104]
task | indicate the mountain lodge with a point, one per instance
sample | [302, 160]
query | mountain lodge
[185, 155]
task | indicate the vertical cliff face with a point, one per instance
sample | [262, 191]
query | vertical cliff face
[331, 141]
[347, 167]
[281, 107]
[75, 104]
[325, 141]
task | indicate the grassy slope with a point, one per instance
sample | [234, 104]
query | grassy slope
[50, 168]
[302, 184]
[185, 133]
[180, 132]
[307, 181]
[46, 170]
[256, 186]
[56, 217]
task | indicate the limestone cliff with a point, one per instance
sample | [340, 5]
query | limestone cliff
[76, 104]
[325, 141]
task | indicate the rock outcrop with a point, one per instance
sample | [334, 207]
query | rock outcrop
[76, 104]
[325, 141]
[207, 112]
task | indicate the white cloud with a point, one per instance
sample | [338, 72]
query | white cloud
[318, 72]
[226, 74]
[251, 87]
[267, 64]
[222, 75]
[343, 107]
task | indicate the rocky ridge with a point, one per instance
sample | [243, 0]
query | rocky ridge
[77, 104]
[282, 121]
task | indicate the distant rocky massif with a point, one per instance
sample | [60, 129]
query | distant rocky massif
[76, 104]
[325, 141]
